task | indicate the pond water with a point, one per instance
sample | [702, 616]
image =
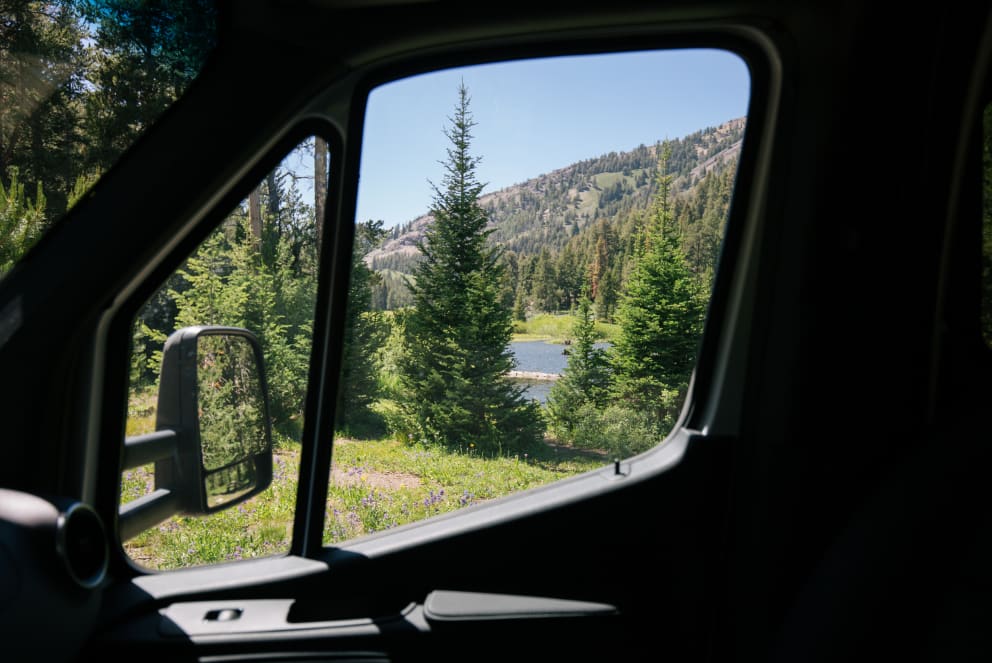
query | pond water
[541, 357]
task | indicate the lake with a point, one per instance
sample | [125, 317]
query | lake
[541, 357]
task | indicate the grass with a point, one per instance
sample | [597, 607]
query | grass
[141, 412]
[557, 328]
[423, 481]
[604, 180]
[260, 527]
[375, 485]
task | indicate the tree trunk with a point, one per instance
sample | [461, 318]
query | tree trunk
[274, 200]
[320, 185]
[255, 214]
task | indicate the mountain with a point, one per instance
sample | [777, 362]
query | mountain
[581, 221]
[547, 210]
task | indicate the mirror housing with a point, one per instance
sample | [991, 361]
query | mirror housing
[209, 375]
[212, 447]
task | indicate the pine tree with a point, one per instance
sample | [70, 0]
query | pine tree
[456, 339]
[21, 220]
[660, 316]
[147, 54]
[606, 298]
[365, 332]
[570, 277]
[43, 63]
[545, 283]
[228, 281]
[585, 378]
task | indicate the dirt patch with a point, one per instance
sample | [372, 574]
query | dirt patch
[571, 452]
[353, 476]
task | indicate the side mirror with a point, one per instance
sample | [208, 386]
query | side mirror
[212, 447]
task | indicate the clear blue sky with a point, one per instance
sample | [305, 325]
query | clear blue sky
[538, 115]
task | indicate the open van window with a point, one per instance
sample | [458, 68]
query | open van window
[536, 263]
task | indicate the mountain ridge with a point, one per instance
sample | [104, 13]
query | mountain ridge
[544, 212]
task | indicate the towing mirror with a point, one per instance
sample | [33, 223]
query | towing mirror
[212, 446]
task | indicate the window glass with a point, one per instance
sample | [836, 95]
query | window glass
[536, 245]
[80, 80]
[256, 271]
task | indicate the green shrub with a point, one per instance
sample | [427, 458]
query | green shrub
[618, 430]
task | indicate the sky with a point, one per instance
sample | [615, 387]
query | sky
[535, 116]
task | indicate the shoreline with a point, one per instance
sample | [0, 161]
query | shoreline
[532, 375]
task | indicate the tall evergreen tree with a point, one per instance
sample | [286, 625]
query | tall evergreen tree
[456, 339]
[42, 79]
[606, 297]
[364, 333]
[229, 281]
[570, 270]
[81, 79]
[21, 220]
[148, 53]
[660, 316]
[545, 282]
[585, 378]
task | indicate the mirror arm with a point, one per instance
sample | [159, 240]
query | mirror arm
[147, 512]
[143, 449]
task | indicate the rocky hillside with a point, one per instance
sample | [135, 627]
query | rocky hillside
[545, 212]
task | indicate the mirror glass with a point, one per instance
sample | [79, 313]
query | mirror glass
[231, 410]
[229, 483]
